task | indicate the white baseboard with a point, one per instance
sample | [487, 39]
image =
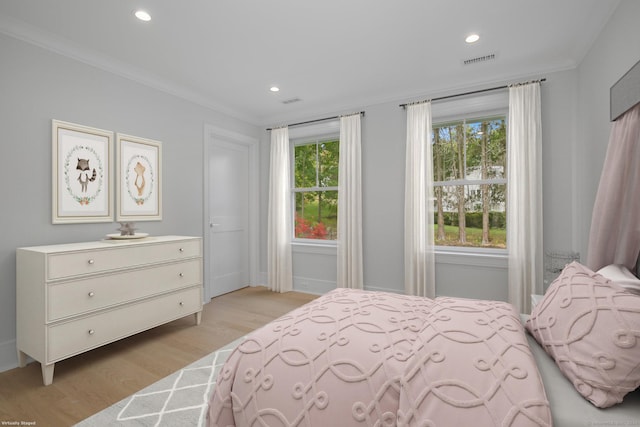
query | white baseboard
[394, 291]
[262, 279]
[320, 287]
[8, 355]
[312, 286]
[304, 284]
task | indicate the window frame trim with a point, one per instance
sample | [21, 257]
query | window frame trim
[302, 242]
[493, 113]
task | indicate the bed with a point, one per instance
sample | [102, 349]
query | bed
[355, 357]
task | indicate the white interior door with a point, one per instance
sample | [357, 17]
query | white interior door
[229, 255]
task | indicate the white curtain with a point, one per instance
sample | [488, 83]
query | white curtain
[419, 257]
[524, 195]
[279, 229]
[350, 273]
[615, 224]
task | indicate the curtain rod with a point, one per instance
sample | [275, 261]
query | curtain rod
[319, 120]
[470, 93]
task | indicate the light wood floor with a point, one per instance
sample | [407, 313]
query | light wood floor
[88, 383]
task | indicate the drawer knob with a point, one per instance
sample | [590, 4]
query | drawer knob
[91, 332]
[181, 304]
[91, 294]
[181, 249]
[91, 261]
[181, 274]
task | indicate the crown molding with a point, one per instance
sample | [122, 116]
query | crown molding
[27, 33]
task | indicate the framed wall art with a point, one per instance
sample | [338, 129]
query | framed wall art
[139, 179]
[82, 181]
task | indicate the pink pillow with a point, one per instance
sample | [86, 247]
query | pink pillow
[591, 328]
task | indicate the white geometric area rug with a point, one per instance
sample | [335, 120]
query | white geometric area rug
[180, 399]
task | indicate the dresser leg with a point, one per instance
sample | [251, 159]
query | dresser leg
[22, 359]
[198, 317]
[47, 373]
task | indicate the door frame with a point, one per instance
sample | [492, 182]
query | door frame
[213, 135]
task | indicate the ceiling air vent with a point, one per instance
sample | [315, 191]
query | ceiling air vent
[291, 100]
[479, 59]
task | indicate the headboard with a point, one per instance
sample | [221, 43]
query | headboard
[625, 93]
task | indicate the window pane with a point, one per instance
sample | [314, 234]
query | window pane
[486, 149]
[328, 159]
[316, 215]
[470, 215]
[476, 147]
[497, 148]
[448, 152]
[305, 166]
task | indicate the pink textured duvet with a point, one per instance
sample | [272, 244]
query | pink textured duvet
[366, 358]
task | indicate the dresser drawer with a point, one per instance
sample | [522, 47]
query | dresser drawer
[76, 263]
[69, 338]
[70, 298]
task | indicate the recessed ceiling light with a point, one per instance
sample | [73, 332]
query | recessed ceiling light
[274, 89]
[142, 15]
[472, 38]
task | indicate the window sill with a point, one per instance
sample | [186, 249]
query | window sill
[478, 257]
[315, 247]
[497, 258]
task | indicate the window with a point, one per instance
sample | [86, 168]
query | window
[316, 188]
[470, 184]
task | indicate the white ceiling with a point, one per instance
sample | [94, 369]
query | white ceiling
[335, 55]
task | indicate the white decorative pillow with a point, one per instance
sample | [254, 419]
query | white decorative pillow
[591, 328]
[622, 276]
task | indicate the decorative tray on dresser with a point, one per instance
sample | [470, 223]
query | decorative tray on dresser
[71, 298]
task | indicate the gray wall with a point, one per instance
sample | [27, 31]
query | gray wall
[383, 164]
[575, 106]
[36, 86]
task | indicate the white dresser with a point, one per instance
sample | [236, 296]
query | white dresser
[71, 298]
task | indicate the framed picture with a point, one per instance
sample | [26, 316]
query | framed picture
[82, 179]
[139, 179]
